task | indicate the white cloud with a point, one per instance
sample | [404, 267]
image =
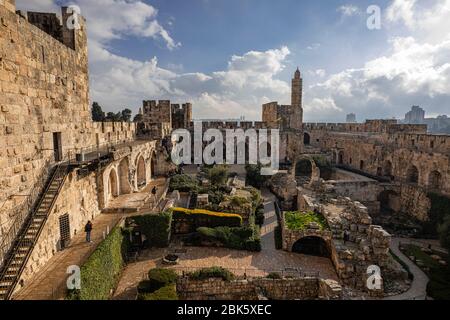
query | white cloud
[112, 19]
[402, 11]
[349, 10]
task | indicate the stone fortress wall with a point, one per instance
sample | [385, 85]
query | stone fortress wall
[416, 163]
[43, 91]
[45, 119]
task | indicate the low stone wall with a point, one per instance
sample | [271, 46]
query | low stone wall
[259, 289]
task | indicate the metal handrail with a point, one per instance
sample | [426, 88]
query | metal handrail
[22, 212]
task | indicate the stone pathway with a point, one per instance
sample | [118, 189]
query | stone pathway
[418, 290]
[239, 262]
[50, 282]
[270, 222]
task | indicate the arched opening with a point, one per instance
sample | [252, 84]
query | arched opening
[140, 173]
[124, 172]
[389, 201]
[306, 139]
[379, 171]
[361, 165]
[341, 157]
[412, 175]
[153, 166]
[303, 170]
[313, 246]
[387, 170]
[113, 188]
[434, 180]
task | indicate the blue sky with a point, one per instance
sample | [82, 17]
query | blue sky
[229, 56]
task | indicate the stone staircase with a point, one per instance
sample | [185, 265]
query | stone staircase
[26, 240]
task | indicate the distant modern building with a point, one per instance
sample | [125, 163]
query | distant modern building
[415, 116]
[351, 118]
[441, 124]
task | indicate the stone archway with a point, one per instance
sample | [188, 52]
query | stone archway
[153, 166]
[124, 174]
[434, 180]
[141, 175]
[113, 187]
[412, 175]
[341, 157]
[304, 169]
[306, 139]
[389, 201]
[313, 246]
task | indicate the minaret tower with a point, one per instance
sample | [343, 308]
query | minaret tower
[297, 90]
[295, 132]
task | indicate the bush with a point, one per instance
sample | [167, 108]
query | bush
[243, 238]
[204, 218]
[259, 215]
[254, 177]
[218, 175]
[301, 220]
[100, 273]
[162, 277]
[209, 273]
[168, 292]
[156, 228]
[183, 183]
[147, 286]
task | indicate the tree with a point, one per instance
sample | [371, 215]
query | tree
[97, 113]
[113, 117]
[126, 115]
[254, 177]
[138, 118]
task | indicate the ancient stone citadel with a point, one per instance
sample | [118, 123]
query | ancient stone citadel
[59, 169]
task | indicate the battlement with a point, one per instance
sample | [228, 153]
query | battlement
[231, 125]
[370, 126]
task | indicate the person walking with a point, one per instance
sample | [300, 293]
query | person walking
[88, 230]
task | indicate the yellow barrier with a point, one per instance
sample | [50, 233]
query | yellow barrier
[207, 212]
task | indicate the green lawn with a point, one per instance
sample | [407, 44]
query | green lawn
[301, 220]
[439, 285]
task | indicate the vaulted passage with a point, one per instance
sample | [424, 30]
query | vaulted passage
[304, 168]
[313, 246]
[306, 139]
[141, 175]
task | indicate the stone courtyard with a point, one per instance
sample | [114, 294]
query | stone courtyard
[60, 169]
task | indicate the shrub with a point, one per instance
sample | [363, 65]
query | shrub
[156, 228]
[101, 271]
[254, 177]
[162, 277]
[204, 218]
[259, 215]
[218, 175]
[168, 292]
[183, 183]
[243, 238]
[147, 286]
[301, 220]
[213, 272]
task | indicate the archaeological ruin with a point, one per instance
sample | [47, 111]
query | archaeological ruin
[362, 184]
